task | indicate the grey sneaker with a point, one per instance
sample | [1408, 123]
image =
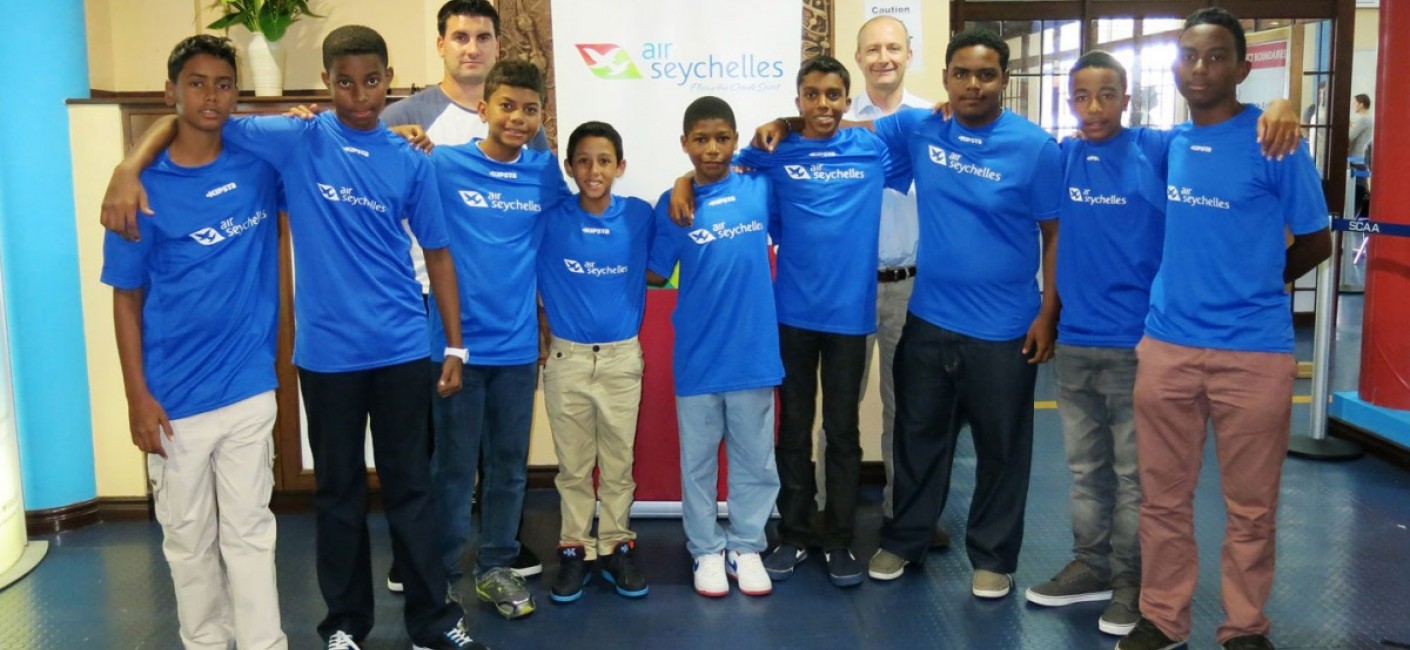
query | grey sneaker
[505, 590]
[1123, 612]
[988, 584]
[1076, 583]
[1146, 636]
[885, 565]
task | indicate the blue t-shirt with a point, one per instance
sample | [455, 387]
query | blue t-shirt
[209, 266]
[725, 321]
[357, 303]
[981, 194]
[829, 198]
[1113, 223]
[592, 269]
[494, 216]
[1228, 209]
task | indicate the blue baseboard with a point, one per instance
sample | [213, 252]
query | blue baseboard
[1392, 425]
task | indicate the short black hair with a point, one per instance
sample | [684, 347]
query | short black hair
[216, 46]
[594, 129]
[708, 107]
[466, 8]
[1100, 59]
[826, 65]
[1364, 99]
[978, 36]
[515, 73]
[352, 40]
[1221, 17]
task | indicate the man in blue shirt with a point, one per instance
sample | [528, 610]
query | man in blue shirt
[360, 341]
[494, 191]
[987, 183]
[726, 359]
[828, 187]
[1218, 343]
[195, 305]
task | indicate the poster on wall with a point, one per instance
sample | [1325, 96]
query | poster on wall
[637, 64]
[12, 526]
[1268, 78]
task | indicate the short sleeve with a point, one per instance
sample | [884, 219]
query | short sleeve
[425, 214]
[895, 131]
[895, 167]
[664, 242]
[1155, 144]
[753, 159]
[125, 262]
[540, 141]
[555, 189]
[1046, 185]
[1299, 189]
[268, 137]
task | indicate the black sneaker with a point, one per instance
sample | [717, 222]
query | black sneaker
[843, 568]
[456, 638]
[781, 561]
[394, 584]
[620, 569]
[526, 563]
[573, 574]
[1248, 642]
[1146, 636]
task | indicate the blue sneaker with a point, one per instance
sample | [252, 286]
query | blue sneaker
[573, 574]
[620, 569]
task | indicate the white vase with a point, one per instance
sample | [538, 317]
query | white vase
[266, 61]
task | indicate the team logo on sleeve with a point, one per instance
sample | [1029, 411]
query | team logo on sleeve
[574, 266]
[207, 237]
[473, 199]
[608, 61]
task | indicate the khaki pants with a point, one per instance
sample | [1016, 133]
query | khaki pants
[212, 500]
[1248, 396]
[592, 393]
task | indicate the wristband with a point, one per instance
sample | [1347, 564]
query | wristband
[459, 353]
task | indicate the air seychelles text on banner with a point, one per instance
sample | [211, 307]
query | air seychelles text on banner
[638, 63]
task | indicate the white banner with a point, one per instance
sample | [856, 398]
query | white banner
[1268, 78]
[637, 64]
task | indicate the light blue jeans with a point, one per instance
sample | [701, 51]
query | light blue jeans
[745, 421]
[1095, 402]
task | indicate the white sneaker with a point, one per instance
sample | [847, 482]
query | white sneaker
[748, 570]
[710, 580]
[341, 640]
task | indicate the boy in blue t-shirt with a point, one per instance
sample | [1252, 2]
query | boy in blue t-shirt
[726, 353]
[494, 191]
[592, 279]
[195, 306]
[1218, 343]
[360, 342]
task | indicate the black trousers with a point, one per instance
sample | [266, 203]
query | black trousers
[843, 359]
[338, 406]
[944, 378]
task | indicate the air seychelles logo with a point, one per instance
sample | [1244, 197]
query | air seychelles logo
[739, 71]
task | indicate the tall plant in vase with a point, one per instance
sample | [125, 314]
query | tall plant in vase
[268, 21]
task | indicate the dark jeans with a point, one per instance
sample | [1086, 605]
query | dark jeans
[338, 406]
[489, 420]
[944, 378]
[843, 362]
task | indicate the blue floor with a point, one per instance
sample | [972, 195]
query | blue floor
[1343, 579]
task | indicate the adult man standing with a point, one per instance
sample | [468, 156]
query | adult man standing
[468, 43]
[883, 54]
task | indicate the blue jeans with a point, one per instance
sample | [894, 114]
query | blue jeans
[943, 379]
[744, 419]
[488, 420]
[1095, 387]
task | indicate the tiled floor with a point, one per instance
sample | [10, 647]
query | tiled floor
[1343, 580]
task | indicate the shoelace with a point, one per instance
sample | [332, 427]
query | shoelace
[459, 637]
[341, 641]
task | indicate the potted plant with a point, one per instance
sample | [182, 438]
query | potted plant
[267, 20]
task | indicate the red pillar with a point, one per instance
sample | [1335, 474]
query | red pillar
[1385, 348]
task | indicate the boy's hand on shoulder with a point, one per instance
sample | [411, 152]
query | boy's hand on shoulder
[449, 383]
[768, 136]
[124, 198]
[682, 208]
[416, 136]
[1038, 344]
[943, 109]
[1280, 129]
[148, 422]
[304, 112]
